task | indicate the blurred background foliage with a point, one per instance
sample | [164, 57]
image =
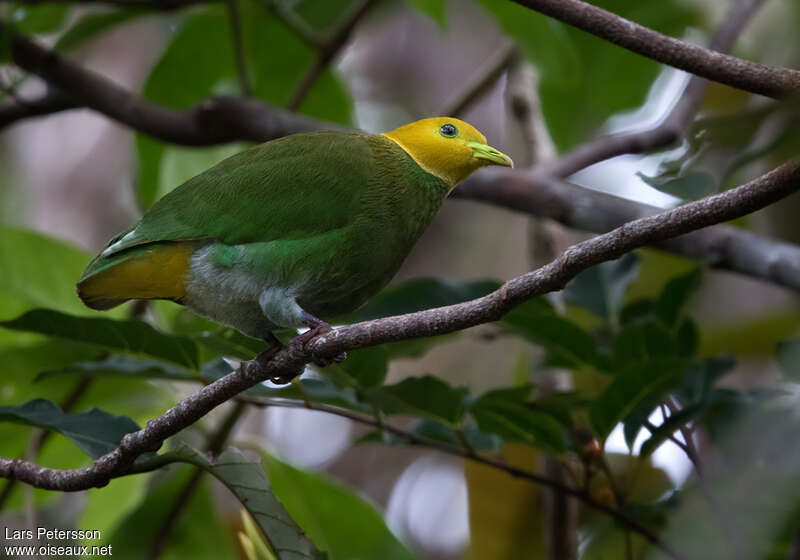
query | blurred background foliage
[656, 387]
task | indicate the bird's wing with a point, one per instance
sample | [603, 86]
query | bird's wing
[295, 187]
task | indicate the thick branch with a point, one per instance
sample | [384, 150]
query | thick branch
[730, 70]
[215, 120]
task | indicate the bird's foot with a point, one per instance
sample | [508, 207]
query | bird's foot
[275, 346]
[316, 327]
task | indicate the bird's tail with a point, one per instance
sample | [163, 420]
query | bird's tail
[152, 271]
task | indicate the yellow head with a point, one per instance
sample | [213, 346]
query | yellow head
[448, 148]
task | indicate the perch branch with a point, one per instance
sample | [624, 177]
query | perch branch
[291, 360]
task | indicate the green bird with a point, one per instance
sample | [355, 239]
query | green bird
[290, 232]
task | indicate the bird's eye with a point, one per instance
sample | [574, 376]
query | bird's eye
[448, 130]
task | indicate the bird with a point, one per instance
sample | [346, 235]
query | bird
[293, 232]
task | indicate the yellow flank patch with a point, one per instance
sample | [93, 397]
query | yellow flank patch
[159, 272]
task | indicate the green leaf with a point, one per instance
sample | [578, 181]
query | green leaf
[419, 294]
[366, 366]
[426, 396]
[231, 343]
[94, 24]
[672, 424]
[95, 432]
[248, 482]
[567, 344]
[38, 271]
[129, 336]
[674, 298]
[124, 366]
[506, 413]
[434, 9]
[41, 18]
[631, 386]
[601, 288]
[689, 186]
[337, 520]
[642, 342]
[198, 532]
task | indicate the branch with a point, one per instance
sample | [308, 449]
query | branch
[328, 49]
[485, 77]
[742, 74]
[215, 120]
[673, 128]
[161, 5]
[290, 361]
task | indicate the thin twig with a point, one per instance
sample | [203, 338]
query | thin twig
[482, 80]
[742, 74]
[295, 23]
[238, 47]
[672, 128]
[327, 51]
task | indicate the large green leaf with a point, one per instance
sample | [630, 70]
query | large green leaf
[38, 271]
[94, 24]
[508, 414]
[631, 386]
[337, 520]
[675, 297]
[198, 532]
[419, 294]
[41, 18]
[434, 9]
[427, 396]
[129, 336]
[601, 288]
[567, 344]
[248, 482]
[95, 432]
[124, 366]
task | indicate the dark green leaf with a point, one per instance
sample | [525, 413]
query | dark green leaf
[198, 532]
[475, 439]
[248, 482]
[366, 366]
[418, 294]
[642, 342]
[94, 24]
[124, 366]
[505, 413]
[601, 288]
[40, 18]
[674, 423]
[434, 9]
[568, 345]
[129, 336]
[337, 520]
[231, 343]
[674, 298]
[95, 432]
[631, 386]
[690, 186]
[318, 391]
[427, 396]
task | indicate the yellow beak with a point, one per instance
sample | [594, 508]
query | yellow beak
[496, 157]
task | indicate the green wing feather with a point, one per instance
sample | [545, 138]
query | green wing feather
[295, 187]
